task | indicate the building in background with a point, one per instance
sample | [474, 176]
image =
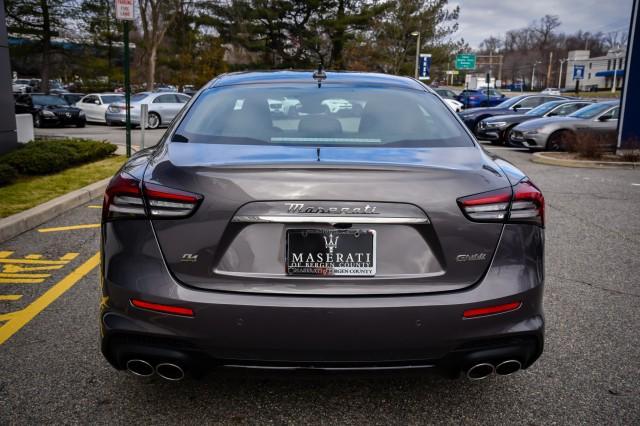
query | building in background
[598, 71]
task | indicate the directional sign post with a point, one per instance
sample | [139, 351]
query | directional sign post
[466, 61]
[124, 12]
[424, 66]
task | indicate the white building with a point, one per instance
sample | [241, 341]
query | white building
[598, 71]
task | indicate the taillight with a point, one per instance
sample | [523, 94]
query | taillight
[523, 203]
[170, 203]
[125, 197]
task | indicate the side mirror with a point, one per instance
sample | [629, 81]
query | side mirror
[97, 102]
[604, 118]
[502, 95]
[516, 107]
[552, 114]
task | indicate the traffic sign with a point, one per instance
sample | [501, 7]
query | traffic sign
[124, 10]
[453, 72]
[424, 66]
[578, 72]
[466, 61]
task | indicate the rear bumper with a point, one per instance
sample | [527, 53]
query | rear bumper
[325, 332]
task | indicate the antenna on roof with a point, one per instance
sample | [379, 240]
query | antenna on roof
[319, 75]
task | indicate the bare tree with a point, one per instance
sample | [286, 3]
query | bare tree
[156, 17]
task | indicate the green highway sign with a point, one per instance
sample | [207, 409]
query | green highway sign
[466, 61]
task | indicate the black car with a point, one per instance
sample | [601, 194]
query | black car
[497, 129]
[49, 110]
[72, 98]
[516, 105]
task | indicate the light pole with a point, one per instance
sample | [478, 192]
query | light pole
[562, 61]
[615, 69]
[417, 34]
[533, 73]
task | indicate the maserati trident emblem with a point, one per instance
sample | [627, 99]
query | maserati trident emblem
[331, 243]
[68, 114]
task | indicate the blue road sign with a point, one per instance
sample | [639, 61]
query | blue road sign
[578, 72]
[424, 66]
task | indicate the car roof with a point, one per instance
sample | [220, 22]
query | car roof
[346, 77]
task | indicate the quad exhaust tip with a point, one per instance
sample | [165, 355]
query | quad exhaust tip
[508, 367]
[169, 371]
[480, 371]
[139, 367]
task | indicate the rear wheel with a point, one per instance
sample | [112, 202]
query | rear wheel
[153, 121]
[82, 124]
[37, 122]
[507, 136]
[558, 141]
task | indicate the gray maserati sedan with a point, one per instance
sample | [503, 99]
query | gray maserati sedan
[376, 236]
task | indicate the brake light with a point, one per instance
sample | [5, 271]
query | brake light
[127, 197]
[166, 309]
[491, 310]
[523, 203]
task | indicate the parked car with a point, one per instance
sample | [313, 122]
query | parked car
[388, 240]
[189, 89]
[551, 91]
[453, 104]
[480, 98]
[446, 93]
[49, 110]
[71, 98]
[163, 107]
[516, 105]
[497, 129]
[554, 133]
[95, 105]
[21, 86]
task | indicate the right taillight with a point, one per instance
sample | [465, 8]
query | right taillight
[522, 203]
[126, 197]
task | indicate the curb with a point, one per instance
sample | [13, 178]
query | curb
[20, 222]
[542, 158]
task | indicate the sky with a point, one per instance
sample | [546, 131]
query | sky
[480, 19]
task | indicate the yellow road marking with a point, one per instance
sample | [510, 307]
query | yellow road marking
[10, 297]
[33, 256]
[34, 262]
[69, 228]
[94, 207]
[41, 303]
[9, 316]
[21, 280]
[6, 275]
[69, 256]
[4, 254]
[11, 269]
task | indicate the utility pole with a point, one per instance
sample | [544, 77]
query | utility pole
[616, 65]
[549, 69]
[533, 74]
[562, 61]
[500, 70]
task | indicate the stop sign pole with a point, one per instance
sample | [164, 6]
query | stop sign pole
[124, 12]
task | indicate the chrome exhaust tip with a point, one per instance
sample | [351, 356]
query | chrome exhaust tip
[480, 371]
[139, 367]
[170, 371]
[507, 367]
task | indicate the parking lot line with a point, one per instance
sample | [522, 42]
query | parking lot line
[21, 280]
[19, 319]
[96, 206]
[70, 228]
[10, 297]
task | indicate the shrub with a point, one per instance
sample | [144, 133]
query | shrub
[7, 174]
[50, 156]
[593, 145]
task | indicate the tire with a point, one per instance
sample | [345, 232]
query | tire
[83, 124]
[153, 120]
[558, 140]
[507, 137]
[37, 123]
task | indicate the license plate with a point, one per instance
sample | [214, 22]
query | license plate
[331, 252]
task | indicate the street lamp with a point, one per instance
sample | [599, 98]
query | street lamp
[616, 65]
[533, 73]
[417, 34]
[562, 61]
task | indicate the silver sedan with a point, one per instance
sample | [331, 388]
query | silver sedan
[163, 107]
[552, 133]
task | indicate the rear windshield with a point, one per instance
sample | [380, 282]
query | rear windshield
[306, 115]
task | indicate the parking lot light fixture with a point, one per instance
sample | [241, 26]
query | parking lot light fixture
[417, 34]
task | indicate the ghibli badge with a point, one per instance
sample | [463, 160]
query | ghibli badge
[471, 257]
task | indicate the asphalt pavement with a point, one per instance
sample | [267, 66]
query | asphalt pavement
[51, 370]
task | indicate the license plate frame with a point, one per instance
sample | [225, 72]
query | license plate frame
[323, 252]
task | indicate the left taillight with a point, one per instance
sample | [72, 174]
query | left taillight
[127, 197]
